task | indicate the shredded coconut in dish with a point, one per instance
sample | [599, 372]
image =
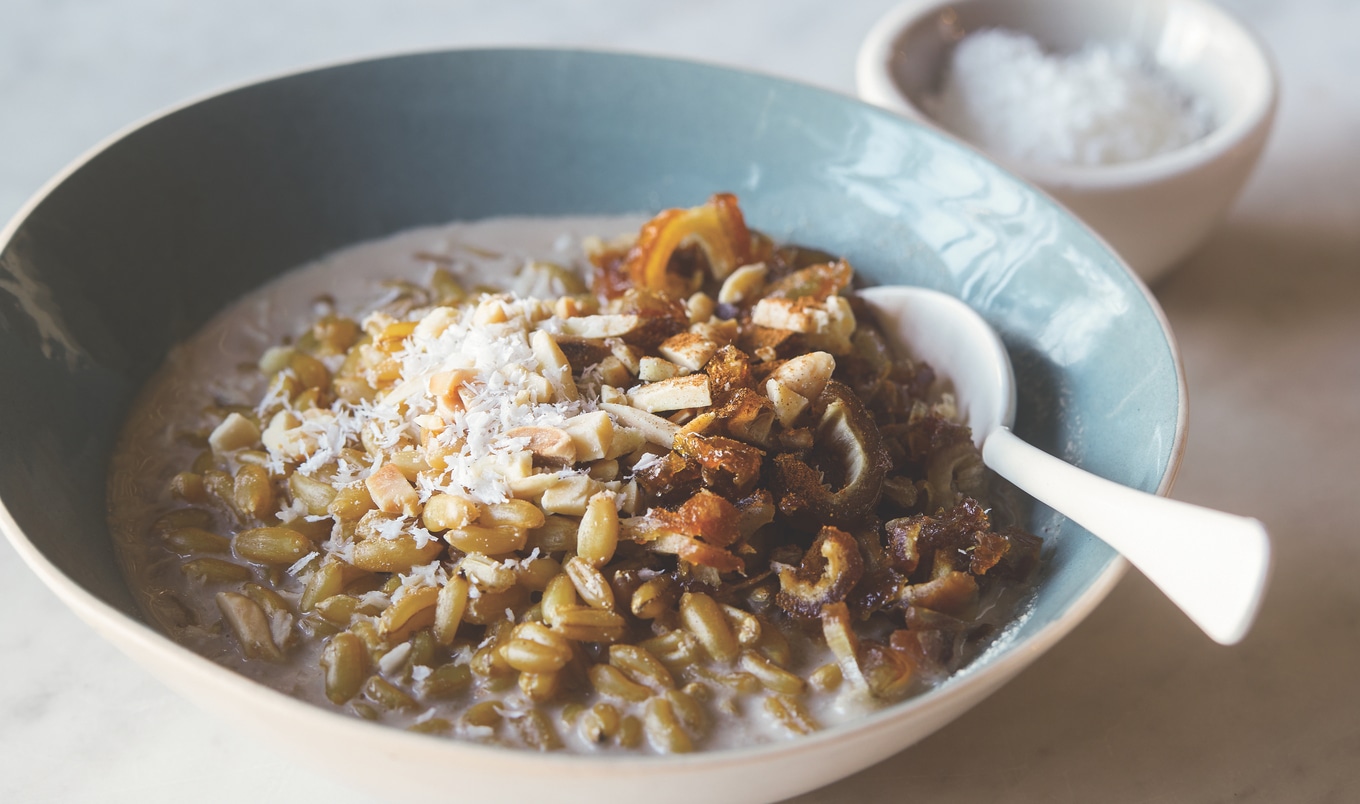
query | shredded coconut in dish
[1102, 105]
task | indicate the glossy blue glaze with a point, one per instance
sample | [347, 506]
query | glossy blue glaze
[136, 247]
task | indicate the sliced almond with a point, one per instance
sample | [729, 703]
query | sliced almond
[655, 429]
[743, 283]
[553, 364]
[600, 326]
[677, 393]
[250, 625]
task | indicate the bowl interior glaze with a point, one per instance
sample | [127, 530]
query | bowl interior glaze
[138, 244]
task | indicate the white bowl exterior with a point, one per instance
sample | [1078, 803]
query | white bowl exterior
[1153, 212]
[1156, 224]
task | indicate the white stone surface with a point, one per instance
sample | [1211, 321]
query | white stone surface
[1135, 706]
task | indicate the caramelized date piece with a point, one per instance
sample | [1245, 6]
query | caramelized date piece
[726, 464]
[717, 226]
[728, 370]
[660, 316]
[1021, 557]
[842, 482]
[829, 570]
[706, 516]
[954, 533]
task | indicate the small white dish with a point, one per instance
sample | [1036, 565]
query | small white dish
[1154, 212]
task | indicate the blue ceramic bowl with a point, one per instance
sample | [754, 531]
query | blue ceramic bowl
[136, 245]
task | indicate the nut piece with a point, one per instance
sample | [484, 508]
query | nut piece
[600, 326]
[700, 307]
[281, 437]
[687, 350]
[490, 310]
[235, 432]
[626, 441]
[744, 283]
[791, 314]
[250, 626]
[570, 495]
[676, 393]
[825, 326]
[654, 429]
[612, 371]
[788, 404]
[552, 365]
[609, 393]
[591, 434]
[630, 356]
[806, 375]
[656, 369]
[445, 385]
[549, 444]
[392, 492]
[835, 336]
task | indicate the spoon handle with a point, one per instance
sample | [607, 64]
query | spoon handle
[1213, 565]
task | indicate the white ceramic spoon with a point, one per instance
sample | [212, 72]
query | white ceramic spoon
[1211, 564]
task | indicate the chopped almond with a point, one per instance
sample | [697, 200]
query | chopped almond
[806, 374]
[550, 444]
[392, 492]
[687, 350]
[235, 432]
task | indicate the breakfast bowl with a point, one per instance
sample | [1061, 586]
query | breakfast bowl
[1152, 210]
[140, 243]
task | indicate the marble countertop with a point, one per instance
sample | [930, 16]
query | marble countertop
[1134, 706]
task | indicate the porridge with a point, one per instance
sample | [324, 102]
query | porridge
[506, 482]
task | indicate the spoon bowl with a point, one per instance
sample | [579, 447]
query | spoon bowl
[1211, 564]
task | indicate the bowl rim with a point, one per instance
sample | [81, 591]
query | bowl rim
[109, 621]
[875, 84]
